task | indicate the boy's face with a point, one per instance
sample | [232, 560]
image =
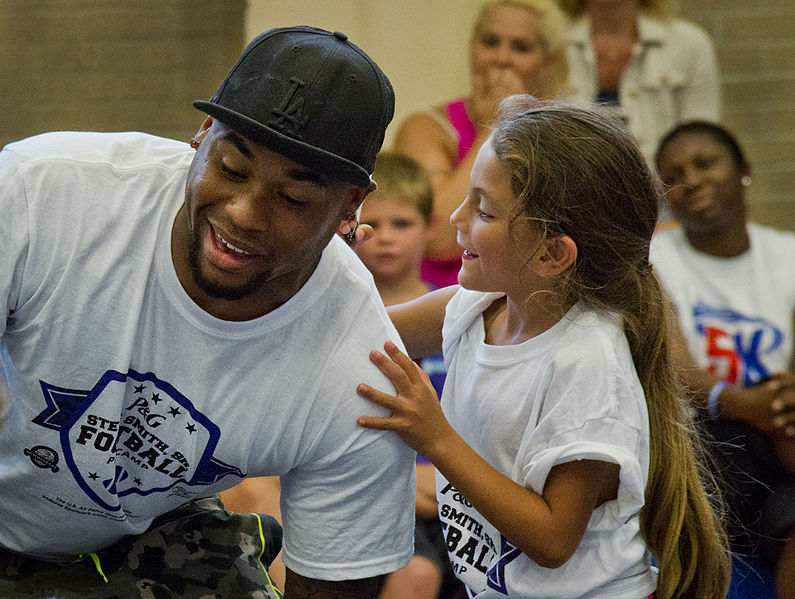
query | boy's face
[398, 244]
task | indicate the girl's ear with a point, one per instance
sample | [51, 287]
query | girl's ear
[557, 255]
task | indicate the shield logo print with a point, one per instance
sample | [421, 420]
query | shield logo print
[132, 433]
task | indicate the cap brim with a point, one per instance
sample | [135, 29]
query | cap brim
[331, 165]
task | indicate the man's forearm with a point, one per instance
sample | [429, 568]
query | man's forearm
[299, 587]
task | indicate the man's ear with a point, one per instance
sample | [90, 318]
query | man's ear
[357, 197]
[203, 129]
[556, 255]
[350, 217]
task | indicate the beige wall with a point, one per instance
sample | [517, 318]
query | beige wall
[421, 45]
[115, 65]
[111, 65]
[755, 42]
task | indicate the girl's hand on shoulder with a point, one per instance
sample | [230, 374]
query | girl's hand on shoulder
[415, 411]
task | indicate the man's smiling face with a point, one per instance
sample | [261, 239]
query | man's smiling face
[257, 222]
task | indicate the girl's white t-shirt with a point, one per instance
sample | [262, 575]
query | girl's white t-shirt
[570, 393]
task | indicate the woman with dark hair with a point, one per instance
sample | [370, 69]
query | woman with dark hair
[733, 287]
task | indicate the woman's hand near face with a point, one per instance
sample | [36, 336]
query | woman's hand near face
[488, 89]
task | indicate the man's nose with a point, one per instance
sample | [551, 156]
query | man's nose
[246, 210]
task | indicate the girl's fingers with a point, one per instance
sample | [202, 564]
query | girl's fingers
[409, 367]
[393, 371]
[375, 422]
[377, 397]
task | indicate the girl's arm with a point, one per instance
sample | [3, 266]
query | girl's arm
[547, 528]
[419, 321]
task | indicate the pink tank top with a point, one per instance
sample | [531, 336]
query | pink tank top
[459, 119]
[441, 273]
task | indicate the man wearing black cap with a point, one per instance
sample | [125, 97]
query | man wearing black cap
[179, 319]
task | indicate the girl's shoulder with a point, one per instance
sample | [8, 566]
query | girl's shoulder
[464, 308]
[593, 337]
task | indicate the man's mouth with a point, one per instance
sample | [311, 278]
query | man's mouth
[230, 246]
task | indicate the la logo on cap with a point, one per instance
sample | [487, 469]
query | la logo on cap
[289, 115]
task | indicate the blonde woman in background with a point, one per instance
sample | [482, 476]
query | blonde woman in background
[516, 46]
[656, 70]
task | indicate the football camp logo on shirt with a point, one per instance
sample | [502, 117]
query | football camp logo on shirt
[736, 345]
[470, 546]
[156, 441]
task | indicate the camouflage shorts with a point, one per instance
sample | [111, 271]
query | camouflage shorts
[198, 551]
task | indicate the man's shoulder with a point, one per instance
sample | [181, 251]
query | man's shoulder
[131, 148]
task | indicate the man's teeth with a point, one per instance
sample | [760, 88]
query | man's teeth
[230, 246]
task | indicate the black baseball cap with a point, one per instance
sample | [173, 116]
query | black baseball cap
[310, 95]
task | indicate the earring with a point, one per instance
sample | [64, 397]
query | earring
[350, 234]
[194, 143]
[746, 180]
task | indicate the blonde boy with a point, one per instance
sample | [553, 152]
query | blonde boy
[399, 212]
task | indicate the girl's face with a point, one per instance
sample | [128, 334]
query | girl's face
[703, 183]
[400, 234]
[508, 39]
[497, 244]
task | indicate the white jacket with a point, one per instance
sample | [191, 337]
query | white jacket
[672, 77]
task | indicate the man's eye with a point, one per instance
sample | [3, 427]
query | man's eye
[230, 172]
[293, 202]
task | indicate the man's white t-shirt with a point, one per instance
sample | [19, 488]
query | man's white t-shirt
[568, 394]
[129, 400]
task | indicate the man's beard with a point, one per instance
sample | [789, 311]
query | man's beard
[212, 288]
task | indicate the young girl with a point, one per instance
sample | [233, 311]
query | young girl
[565, 457]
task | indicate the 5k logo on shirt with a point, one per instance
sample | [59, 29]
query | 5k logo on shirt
[736, 344]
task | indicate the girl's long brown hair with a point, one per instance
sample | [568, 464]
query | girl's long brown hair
[577, 172]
